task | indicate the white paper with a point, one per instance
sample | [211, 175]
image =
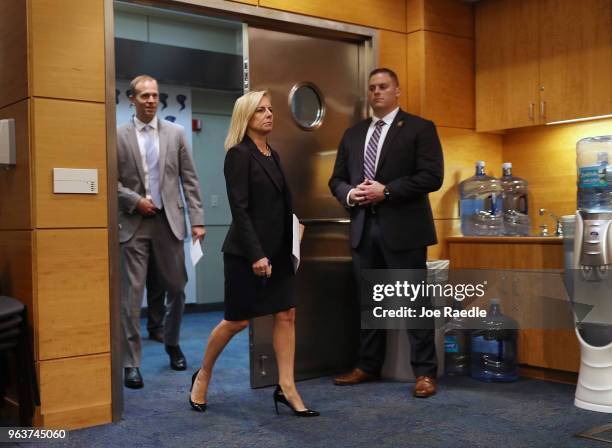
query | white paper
[196, 252]
[295, 251]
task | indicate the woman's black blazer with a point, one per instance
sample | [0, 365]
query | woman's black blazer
[260, 207]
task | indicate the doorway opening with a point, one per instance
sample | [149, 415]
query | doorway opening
[317, 78]
[197, 62]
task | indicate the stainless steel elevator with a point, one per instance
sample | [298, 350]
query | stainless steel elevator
[317, 87]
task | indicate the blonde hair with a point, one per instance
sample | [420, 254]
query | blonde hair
[244, 108]
[137, 80]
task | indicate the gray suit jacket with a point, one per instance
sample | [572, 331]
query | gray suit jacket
[175, 166]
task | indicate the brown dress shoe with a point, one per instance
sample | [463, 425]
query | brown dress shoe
[424, 387]
[355, 376]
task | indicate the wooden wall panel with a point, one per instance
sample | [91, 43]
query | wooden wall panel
[444, 229]
[449, 17]
[449, 80]
[75, 392]
[415, 15]
[67, 49]
[15, 190]
[16, 279]
[546, 157]
[462, 149]
[415, 72]
[393, 54]
[68, 134]
[73, 295]
[13, 51]
[441, 16]
[382, 14]
[440, 72]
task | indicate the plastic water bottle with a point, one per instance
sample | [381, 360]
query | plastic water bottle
[494, 347]
[480, 206]
[594, 174]
[514, 203]
[457, 345]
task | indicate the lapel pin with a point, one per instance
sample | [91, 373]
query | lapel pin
[400, 123]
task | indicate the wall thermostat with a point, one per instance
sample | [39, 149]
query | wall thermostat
[73, 180]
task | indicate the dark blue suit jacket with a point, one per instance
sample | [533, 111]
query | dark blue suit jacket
[411, 165]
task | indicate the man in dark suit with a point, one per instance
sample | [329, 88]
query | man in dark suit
[153, 162]
[384, 170]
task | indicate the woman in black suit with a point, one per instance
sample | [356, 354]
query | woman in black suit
[259, 277]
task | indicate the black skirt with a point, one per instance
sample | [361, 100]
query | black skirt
[248, 295]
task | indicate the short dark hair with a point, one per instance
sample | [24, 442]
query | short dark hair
[386, 70]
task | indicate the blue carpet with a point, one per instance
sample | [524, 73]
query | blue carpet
[465, 412]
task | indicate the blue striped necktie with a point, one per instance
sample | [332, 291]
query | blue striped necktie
[369, 161]
[152, 157]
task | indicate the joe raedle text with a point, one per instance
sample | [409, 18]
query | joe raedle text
[418, 312]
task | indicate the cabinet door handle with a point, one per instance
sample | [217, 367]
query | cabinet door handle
[531, 107]
[543, 109]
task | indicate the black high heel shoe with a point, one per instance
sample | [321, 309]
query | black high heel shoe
[279, 397]
[199, 407]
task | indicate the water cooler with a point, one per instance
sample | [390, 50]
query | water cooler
[590, 273]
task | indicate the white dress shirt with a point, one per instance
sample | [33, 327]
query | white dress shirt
[388, 119]
[140, 136]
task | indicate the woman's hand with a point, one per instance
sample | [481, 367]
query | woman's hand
[262, 267]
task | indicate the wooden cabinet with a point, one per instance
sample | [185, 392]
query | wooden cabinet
[506, 64]
[552, 352]
[539, 61]
[575, 58]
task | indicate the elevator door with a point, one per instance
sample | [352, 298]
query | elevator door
[327, 322]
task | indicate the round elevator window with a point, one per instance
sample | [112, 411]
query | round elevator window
[307, 106]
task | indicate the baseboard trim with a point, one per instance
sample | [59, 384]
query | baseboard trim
[85, 417]
[541, 373]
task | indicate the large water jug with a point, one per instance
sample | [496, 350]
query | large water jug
[514, 203]
[593, 155]
[457, 344]
[494, 347]
[480, 206]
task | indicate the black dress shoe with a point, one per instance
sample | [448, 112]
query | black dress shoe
[132, 378]
[157, 336]
[177, 359]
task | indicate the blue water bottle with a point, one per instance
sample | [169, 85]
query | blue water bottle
[514, 203]
[457, 345]
[494, 347]
[480, 204]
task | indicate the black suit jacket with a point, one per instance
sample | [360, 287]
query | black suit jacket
[410, 164]
[260, 208]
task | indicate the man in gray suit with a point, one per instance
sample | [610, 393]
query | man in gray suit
[156, 307]
[153, 159]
